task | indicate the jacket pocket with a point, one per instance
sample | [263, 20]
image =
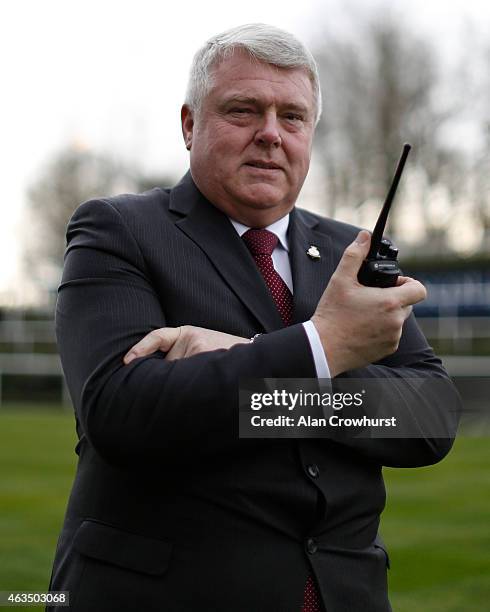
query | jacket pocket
[380, 545]
[122, 548]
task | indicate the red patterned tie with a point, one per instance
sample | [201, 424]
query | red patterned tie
[311, 601]
[261, 243]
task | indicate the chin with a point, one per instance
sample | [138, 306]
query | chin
[263, 196]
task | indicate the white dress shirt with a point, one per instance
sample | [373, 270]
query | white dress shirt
[282, 265]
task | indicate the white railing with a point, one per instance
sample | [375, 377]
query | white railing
[24, 335]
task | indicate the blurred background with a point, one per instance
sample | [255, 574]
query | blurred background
[90, 107]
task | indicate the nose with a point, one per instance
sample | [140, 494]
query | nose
[268, 134]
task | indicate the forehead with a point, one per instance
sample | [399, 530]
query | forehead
[241, 74]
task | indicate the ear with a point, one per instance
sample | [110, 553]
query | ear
[187, 120]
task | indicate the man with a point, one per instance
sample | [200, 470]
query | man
[170, 509]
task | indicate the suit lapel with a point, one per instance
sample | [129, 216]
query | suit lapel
[212, 231]
[310, 276]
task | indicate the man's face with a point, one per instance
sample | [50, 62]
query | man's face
[251, 142]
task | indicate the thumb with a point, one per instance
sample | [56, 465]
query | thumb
[354, 255]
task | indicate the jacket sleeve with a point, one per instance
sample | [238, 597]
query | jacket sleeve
[151, 409]
[412, 386]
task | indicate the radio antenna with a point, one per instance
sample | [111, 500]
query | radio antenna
[383, 216]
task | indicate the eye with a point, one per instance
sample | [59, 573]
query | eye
[294, 117]
[240, 111]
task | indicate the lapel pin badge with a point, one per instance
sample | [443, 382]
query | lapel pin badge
[313, 253]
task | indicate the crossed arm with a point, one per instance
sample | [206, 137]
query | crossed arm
[150, 408]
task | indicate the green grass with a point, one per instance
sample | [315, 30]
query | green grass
[437, 528]
[436, 525]
[37, 464]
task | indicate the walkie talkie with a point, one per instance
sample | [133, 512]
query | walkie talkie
[380, 268]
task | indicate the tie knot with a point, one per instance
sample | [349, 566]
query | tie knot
[260, 241]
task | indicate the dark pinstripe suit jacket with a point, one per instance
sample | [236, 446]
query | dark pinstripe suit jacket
[170, 511]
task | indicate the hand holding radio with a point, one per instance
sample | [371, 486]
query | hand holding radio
[359, 325]
[361, 313]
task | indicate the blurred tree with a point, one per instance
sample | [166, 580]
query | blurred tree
[74, 175]
[381, 87]
[482, 164]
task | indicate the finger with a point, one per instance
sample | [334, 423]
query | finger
[354, 255]
[158, 340]
[411, 292]
[401, 280]
[178, 351]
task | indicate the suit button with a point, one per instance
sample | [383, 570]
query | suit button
[311, 546]
[313, 470]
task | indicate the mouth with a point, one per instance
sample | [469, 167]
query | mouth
[263, 165]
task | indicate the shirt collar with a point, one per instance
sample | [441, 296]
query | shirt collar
[279, 228]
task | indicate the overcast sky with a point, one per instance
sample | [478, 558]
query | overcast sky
[111, 75]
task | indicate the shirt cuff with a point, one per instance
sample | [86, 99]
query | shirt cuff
[319, 357]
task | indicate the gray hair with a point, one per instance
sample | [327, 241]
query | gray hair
[263, 42]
